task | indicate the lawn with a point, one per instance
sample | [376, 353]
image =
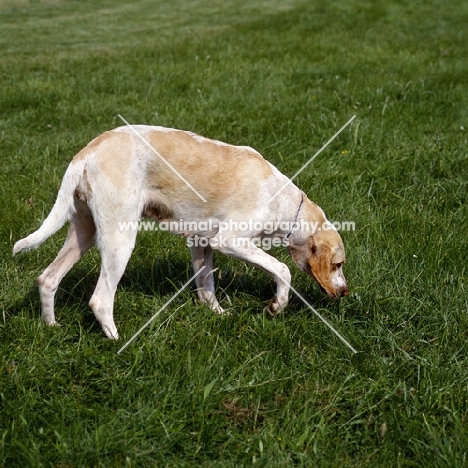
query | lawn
[195, 388]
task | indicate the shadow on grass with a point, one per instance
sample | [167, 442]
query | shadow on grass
[28, 301]
[162, 278]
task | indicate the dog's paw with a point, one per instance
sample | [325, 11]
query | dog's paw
[111, 332]
[20, 246]
[219, 310]
[224, 312]
[50, 320]
[274, 308]
[51, 323]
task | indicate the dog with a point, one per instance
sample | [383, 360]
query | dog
[171, 176]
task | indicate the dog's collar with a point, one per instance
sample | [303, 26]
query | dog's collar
[297, 215]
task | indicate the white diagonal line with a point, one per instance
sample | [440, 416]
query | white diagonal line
[312, 158]
[161, 309]
[320, 317]
[166, 162]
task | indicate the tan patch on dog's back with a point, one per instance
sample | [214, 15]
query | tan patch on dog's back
[220, 172]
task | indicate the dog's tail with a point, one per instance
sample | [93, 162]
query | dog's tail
[61, 211]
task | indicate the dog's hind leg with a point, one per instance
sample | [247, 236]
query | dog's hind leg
[115, 253]
[116, 246]
[80, 238]
[203, 256]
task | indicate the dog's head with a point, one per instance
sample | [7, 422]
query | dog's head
[321, 255]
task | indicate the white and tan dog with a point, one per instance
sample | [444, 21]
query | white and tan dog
[167, 174]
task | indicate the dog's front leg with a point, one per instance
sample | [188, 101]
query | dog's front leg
[245, 250]
[203, 256]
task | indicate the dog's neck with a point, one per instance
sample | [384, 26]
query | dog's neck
[310, 219]
[293, 226]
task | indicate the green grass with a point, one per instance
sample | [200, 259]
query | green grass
[196, 389]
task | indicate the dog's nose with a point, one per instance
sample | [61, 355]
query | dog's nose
[343, 292]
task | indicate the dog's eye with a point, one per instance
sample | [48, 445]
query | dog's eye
[338, 265]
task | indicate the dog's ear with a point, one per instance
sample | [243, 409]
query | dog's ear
[339, 256]
[327, 256]
[312, 245]
[320, 257]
